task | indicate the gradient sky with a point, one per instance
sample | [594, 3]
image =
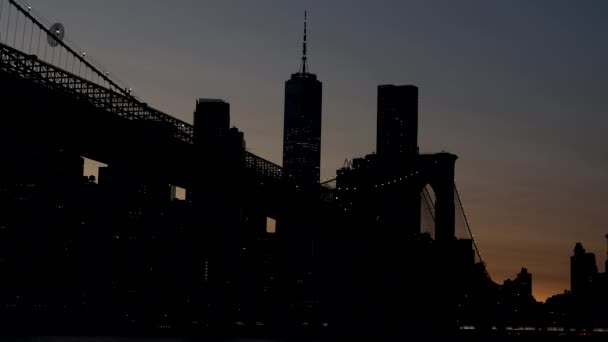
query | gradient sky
[516, 88]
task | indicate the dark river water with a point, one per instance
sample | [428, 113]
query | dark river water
[136, 339]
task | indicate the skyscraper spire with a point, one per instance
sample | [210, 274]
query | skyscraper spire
[304, 65]
[302, 124]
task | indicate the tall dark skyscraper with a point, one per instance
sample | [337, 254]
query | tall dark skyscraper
[397, 134]
[302, 124]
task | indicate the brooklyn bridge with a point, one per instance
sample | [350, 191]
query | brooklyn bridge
[248, 248]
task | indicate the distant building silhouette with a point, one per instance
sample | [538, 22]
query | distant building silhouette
[520, 286]
[517, 305]
[584, 307]
[302, 124]
[582, 271]
[606, 262]
[211, 118]
[397, 127]
[600, 294]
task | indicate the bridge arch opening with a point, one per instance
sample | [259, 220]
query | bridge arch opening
[271, 225]
[427, 211]
[91, 169]
[437, 206]
[178, 193]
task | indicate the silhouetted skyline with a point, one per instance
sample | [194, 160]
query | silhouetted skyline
[185, 231]
[514, 88]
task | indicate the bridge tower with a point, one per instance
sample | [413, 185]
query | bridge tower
[380, 197]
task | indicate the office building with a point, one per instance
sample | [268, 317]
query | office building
[302, 124]
[397, 127]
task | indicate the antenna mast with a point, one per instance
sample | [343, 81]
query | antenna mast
[304, 65]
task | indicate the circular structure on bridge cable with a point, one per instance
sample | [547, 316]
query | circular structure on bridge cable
[57, 34]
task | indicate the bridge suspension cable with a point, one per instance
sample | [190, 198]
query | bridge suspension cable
[327, 181]
[468, 226]
[429, 202]
[431, 207]
[24, 29]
